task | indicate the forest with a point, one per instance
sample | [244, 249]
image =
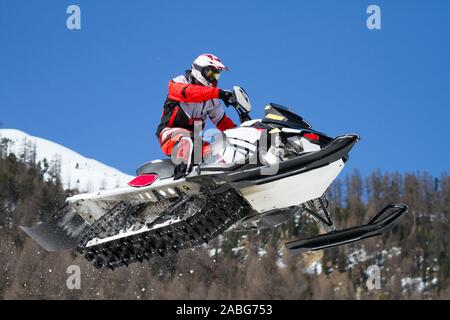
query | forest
[413, 258]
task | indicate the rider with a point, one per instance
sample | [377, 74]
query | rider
[191, 97]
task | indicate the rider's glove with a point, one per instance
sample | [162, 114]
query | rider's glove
[227, 97]
[244, 117]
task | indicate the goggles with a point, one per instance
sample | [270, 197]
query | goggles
[212, 74]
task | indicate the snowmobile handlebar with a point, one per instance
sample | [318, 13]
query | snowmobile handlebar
[243, 115]
[241, 103]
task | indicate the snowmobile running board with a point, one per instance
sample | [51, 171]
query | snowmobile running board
[383, 221]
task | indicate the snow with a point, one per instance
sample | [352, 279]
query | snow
[413, 283]
[261, 252]
[77, 171]
[356, 256]
[280, 263]
[314, 268]
[418, 284]
[360, 255]
[237, 249]
[213, 251]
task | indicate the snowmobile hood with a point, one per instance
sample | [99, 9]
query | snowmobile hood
[251, 174]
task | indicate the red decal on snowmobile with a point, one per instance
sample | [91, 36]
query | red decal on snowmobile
[143, 181]
[311, 136]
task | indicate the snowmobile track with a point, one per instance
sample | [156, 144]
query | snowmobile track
[218, 214]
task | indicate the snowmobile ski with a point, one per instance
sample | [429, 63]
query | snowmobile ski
[382, 222]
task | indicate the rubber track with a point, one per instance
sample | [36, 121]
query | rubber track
[218, 214]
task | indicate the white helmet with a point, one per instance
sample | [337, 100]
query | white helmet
[206, 69]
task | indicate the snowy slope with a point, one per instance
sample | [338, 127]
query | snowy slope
[79, 172]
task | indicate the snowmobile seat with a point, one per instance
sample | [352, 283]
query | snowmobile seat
[163, 168]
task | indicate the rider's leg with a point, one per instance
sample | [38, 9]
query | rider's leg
[177, 143]
[170, 137]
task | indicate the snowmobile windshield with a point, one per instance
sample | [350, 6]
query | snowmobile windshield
[278, 115]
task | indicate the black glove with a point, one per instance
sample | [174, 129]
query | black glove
[227, 97]
[244, 117]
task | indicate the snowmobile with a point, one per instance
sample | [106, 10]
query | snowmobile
[259, 175]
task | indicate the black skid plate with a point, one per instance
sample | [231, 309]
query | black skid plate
[383, 221]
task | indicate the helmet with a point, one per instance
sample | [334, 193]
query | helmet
[206, 69]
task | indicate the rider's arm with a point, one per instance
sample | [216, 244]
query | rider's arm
[183, 92]
[220, 119]
[225, 123]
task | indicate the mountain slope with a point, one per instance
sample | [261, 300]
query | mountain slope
[77, 171]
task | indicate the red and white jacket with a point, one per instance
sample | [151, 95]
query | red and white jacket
[188, 103]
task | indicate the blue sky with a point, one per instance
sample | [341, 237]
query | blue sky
[100, 90]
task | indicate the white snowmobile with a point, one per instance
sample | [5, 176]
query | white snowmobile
[258, 176]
